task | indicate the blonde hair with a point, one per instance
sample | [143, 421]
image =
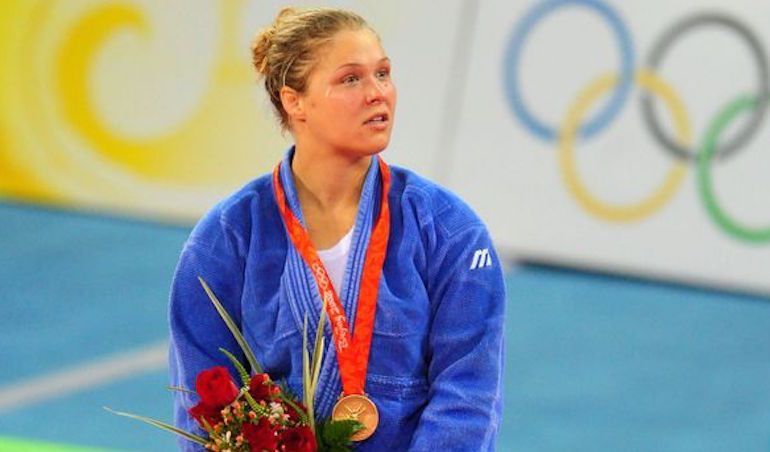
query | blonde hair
[285, 52]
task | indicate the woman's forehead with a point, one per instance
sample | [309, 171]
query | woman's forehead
[359, 47]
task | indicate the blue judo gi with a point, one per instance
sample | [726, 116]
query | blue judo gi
[435, 366]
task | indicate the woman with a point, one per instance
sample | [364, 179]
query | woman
[418, 326]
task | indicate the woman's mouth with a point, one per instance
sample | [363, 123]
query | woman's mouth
[379, 121]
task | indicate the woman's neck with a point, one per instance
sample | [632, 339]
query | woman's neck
[328, 182]
[329, 188]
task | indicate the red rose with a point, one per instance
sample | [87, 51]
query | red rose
[261, 388]
[212, 414]
[299, 439]
[261, 436]
[216, 387]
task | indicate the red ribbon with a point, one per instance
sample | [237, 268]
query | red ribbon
[352, 352]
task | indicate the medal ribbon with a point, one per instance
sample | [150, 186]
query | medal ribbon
[352, 351]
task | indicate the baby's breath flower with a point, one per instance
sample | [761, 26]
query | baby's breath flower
[276, 407]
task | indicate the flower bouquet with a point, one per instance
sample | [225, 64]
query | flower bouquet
[259, 415]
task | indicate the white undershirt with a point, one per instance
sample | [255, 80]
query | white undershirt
[336, 258]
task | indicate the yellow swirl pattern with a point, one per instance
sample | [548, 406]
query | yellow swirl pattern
[57, 146]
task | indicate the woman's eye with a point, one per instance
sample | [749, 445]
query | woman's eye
[383, 74]
[350, 79]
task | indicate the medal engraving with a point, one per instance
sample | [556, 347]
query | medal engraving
[359, 408]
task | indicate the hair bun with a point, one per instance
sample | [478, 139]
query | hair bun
[262, 42]
[260, 47]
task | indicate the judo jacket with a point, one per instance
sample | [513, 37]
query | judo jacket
[436, 359]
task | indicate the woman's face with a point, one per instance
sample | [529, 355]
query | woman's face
[350, 98]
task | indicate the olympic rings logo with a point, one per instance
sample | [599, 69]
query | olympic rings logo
[681, 146]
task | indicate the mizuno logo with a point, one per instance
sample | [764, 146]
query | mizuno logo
[481, 258]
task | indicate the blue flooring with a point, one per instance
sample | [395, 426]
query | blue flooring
[75, 287]
[593, 363]
[596, 363]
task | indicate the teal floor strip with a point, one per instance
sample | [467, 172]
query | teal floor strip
[593, 363]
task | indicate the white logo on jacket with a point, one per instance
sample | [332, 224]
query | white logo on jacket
[481, 258]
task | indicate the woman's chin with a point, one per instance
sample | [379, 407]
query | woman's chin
[378, 145]
[370, 149]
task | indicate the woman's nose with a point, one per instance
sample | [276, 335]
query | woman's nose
[375, 91]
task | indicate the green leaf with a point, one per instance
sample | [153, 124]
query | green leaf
[162, 425]
[306, 371]
[318, 350]
[255, 367]
[241, 370]
[206, 426]
[341, 431]
[316, 368]
[334, 436]
[259, 409]
[312, 369]
[177, 388]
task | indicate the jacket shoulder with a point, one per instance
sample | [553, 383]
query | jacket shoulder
[436, 205]
[235, 214]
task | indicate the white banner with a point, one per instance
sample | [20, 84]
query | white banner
[622, 136]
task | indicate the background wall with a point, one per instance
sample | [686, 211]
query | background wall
[620, 136]
[629, 136]
[152, 108]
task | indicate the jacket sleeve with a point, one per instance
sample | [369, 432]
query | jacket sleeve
[465, 347]
[196, 329]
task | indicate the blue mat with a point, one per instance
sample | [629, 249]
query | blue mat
[593, 363]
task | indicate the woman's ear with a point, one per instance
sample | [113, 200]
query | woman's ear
[292, 103]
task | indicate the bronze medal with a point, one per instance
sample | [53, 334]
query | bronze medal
[359, 408]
